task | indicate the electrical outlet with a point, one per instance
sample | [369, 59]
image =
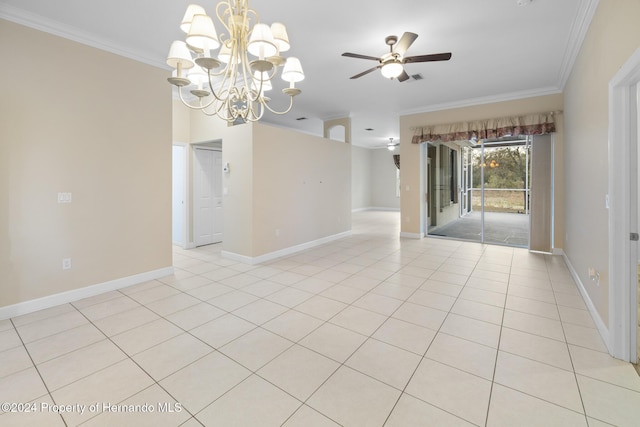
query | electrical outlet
[66, 263]
[277, 232]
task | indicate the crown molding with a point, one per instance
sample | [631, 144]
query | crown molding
[578, 32]
[38, 22]
[512, 96]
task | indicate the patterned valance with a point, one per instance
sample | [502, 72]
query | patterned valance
[530, 124]
[396, 160]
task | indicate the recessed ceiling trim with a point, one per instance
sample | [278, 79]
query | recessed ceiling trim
[38, 22]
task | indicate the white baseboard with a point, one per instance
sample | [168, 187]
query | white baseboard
[383, 209]
[77, 294]
[283, 252]
[407, 235]
[374, 208]
[600, 325]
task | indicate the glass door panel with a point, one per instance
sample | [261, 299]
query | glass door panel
[506, 194]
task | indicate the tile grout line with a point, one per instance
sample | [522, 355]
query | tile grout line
[575, 374]
[403, 392]
[35, 366]
[495, 366]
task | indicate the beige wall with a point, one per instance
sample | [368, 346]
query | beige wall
[383, 179]
[301, 187]
[613, 36]
[411, 183]
[361, 159]
[373, 179]
[181, 122]
[279, 179]
[80, 120]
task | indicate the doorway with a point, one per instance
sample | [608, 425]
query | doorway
[622, 200]
[483, 190]
[207, 194]
[178, 195]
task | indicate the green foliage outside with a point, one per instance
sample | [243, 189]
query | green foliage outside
[504, 168]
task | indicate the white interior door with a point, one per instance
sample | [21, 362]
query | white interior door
[207, 196]
[624, 118]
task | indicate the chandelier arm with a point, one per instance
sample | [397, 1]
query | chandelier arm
[222, 20]
[281, 112]
[262, 105]
[223, 92]
[216, 112]
[189, 105]
[249, 80]
[219, 108]
[274, 71]
[213, 92]
[251, 111]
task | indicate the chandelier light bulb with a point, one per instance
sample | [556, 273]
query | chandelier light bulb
[292, 71]
[202, 34]
[261, 43]
[280, 36]
[179, 56]
[192, 9]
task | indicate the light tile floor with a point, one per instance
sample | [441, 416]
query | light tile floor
[369, 330]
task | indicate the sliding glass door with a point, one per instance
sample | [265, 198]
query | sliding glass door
[488, 201]
[504, 192]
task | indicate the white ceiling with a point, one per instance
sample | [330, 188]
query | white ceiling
[500, 50]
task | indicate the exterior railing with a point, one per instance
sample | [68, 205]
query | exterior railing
[500, 200]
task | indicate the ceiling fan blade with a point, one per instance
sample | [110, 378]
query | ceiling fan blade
[402, 77]
[428, 58]
[364, 73]
[404, 43]
[357, 55]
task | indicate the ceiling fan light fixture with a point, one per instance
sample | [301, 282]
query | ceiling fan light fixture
[392, 69]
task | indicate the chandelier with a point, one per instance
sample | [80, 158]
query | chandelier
[231, 84]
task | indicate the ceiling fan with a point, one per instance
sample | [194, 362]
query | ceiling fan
[391, 64]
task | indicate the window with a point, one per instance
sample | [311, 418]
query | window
[453, 178]
[448, 176]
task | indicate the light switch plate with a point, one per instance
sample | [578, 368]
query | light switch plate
[64, 197]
